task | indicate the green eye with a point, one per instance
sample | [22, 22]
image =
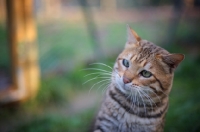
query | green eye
[146, 74]
[125, 63]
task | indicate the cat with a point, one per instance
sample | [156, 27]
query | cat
[138, 96]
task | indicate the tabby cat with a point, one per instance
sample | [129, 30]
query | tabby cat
[137, 98]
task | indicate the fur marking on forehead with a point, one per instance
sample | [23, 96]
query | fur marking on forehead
[148, 66]
[128, 56]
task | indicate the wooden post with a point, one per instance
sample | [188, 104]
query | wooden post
[23, 51]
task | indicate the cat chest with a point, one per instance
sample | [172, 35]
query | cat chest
[118, 119]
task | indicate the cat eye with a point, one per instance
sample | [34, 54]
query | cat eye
[146, 74]
[125, 63]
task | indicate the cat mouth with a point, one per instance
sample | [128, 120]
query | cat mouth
[128, 89]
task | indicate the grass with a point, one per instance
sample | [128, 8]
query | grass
[65, 49]
[58, 123]
[183, 114]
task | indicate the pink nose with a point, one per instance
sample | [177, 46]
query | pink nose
[126, 80]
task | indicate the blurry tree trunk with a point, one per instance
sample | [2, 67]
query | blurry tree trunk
[92, 29]
[23, 51]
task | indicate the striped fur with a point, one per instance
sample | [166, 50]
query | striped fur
[141, 104]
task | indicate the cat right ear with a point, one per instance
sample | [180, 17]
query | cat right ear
[172, 60]
[132, 37]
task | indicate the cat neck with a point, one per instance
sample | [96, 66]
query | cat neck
[137, 106]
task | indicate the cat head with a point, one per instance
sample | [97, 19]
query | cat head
[143, 65]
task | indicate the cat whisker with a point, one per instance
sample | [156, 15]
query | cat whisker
[132, 98]
[119, 85]
[143, 90]
[110, 68]
[100, 73]
[140, 94]
[99, 76]
[149, 99]
[103, 85]
[105, 88]
[135, 97]
[99, 63]
[129, 95]
[153, 93]
[98, 83]
[146, 95]
[105, 66]
[97, 69]
[163, 92]
[117, 74]
[138, 103]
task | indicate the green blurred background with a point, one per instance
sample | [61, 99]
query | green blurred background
[73, 34]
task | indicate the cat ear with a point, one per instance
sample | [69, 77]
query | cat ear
[173, 60]
[132, 37]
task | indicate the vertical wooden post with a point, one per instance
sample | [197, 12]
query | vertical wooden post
[23, 49]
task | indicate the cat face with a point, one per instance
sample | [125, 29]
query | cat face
[144, 66]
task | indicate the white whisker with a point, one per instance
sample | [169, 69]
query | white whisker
[149, 99]
[140, 94]
[101, 64]
[97, 77]
[103, 85]
[97, 69]
[100, 73]
[131, 98]
[98, 83]
[137, 102]
[135, 94]
[163, 92]
[105, 88]
[153, 93]
[105, 66]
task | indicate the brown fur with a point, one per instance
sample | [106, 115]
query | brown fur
[134, 102]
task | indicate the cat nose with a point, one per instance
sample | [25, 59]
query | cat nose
[126, 80]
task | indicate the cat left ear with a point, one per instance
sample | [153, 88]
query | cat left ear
[132, 37]
[173, 60]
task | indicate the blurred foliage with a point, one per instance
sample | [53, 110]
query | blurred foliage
[4, 54]
[61, 49]
[58, 123]
[183, 114]
[187, 32]
[60, 44]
